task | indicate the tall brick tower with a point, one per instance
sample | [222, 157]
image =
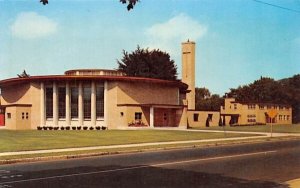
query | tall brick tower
[188, 71]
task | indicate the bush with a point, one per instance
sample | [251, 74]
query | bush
[79, 128]
[91, 128]
[85, 128]
[68, 127]
[50, 128]
[98, 128]
[56, 128]
[62, 128]
[39, 128]
[74, 128]
[103, 128]
[45, 127]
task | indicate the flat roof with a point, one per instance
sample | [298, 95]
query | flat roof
[261, 103]
[13, 81]
[155, 105]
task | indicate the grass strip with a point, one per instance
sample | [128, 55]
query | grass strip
[100, 152]
[12, 141]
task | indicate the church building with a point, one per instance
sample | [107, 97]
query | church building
[98, 98]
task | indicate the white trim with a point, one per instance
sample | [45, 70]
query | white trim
[152, 116]
[80, 103]
[55, 104]
[93, 103]
[43, 104]
[105, 103]
[68, 106]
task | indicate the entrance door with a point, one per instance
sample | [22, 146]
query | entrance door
[2, 117]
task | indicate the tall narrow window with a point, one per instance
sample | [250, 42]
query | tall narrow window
[74, 102]
[87, 101]
[100, 101]
[196, 117]
[49, 102]
[61, 102]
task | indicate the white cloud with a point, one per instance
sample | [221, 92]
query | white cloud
[168, 35]
[30, 25]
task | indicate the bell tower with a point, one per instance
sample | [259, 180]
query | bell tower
[188, 71]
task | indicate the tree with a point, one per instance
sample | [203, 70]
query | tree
[268, 90]
[206, 101]
[23, 75]
[202, 93]
[150, 64]
[130, 3]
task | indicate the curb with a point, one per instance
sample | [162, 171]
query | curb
[129, 151]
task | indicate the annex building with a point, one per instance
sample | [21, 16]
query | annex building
[97, 97]
[250, 113]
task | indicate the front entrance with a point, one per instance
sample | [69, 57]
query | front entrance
[164, 117]
[234, 120]
[2, 116]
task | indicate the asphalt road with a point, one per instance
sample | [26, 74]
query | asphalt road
[264, 165]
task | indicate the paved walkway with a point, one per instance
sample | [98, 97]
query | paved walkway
[259, 135]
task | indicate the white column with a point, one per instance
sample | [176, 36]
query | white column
[93, 103]
[55, 104]
[42, 104]
[80, 104]
[152, 116]
[68, 102]
[105, 103]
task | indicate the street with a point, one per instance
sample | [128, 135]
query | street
[268, 164]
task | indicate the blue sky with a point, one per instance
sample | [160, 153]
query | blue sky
[237, 40]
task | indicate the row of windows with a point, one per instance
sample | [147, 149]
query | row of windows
[251, 115]
[262, 107]
[74, 92]
[284, 117]
[251, 106]
[251, 120]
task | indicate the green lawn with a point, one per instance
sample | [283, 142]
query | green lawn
[35, 140]
[294, 128]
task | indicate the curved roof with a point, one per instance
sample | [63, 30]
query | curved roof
[13, 81]
[68, 72]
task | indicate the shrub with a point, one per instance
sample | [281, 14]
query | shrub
[68, 127]
[103, 128]
[50, 128]
[39, 128]
[56, 128]
[45, 127]
[74, 128]
[98, 128]
[91, 128]
[85, 128]
[62, 128]
[79, 128]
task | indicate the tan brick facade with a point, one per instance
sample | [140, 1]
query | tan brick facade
[238, 113]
